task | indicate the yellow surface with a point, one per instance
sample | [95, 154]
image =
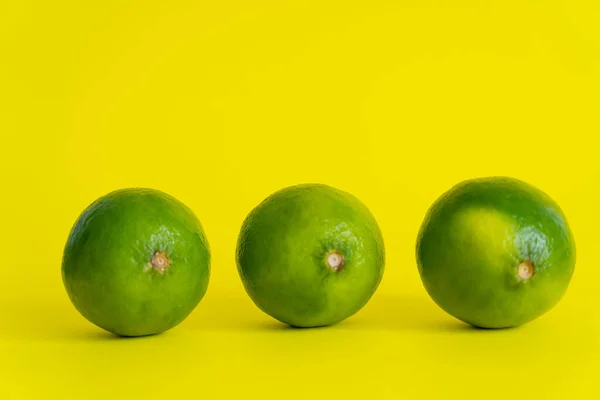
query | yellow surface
[220, 103]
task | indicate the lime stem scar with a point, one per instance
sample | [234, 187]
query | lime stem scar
[335, 260]
[160, 261]
[525, 270]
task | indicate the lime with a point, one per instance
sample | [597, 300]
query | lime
[495, 252]
[310, 255]
[136, 262]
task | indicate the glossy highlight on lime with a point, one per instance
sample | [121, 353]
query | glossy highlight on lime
[310, 255]
[495, 252]
[137, 262]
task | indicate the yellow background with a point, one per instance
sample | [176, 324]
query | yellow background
[220, 103]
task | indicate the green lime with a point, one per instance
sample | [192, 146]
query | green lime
[310, 255]
[137, 262]
[495, 252]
